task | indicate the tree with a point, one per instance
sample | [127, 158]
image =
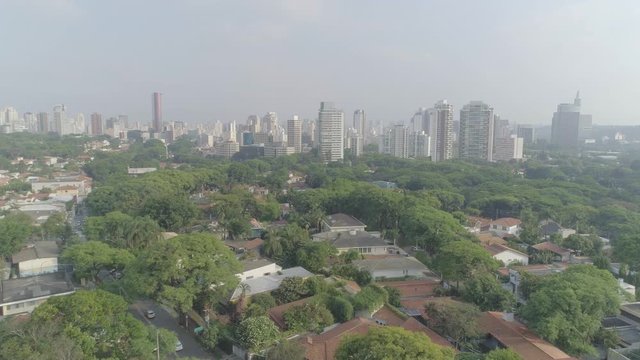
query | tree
[286, 350]
[291, 289]
[456, 320]
[341, 308]
[57, 227]
[567, 308]
[487, 293]
[257, 333]
[99, 323]
[122, 230]
[382, 343]
[264, 300]
[187, 268]
[459, 260]
[394, 296]
[88, 258]
[169, 211]
[311, 316]
[314, 256]
[601, 262]
[15, 229]
[370, 298]
[503, 354]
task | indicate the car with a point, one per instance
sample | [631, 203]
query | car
[178, 345]
[150, 314]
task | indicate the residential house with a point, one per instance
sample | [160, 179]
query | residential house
[503, 331]
[392, 266]
[252, 269]
[38, 258]
[515, 273]
[252, 246]
[360, 241]
[550, 227]
[505, 227]
[476, 224]
[560, 254]
[40, 212]
[507, 255]
[342, 222]
[269, 282]
[421, 288]
[487, 238]
[276, 314]
[23, 295]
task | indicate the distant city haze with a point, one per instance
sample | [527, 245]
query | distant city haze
[225, 60]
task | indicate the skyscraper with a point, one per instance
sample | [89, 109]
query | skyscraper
[330, 132]
[156, 108]
[59, 118]
[527, 133]
[399, 141]
[294, 133]
[360, 123]
[43, 122]
[96, 124]
[269, 122]
[565, 125]
[441, 131]
[476, 131]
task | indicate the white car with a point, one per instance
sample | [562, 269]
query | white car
[178, 345]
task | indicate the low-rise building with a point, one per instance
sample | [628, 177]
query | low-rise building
[360, 241]
[506, 226]
[392, 266]
[23, 295]
[507, 255]
[38, 258]
[560, 254]
[550, 227]
[269, 282]
[342, 222]
[252, 269]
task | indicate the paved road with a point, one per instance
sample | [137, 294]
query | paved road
[166, 319]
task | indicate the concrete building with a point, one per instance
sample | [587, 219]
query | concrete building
[23, 295]
[509, 148]
[399, 142]
[360, 123]
[252, 269]
[569, 128]
[38, 258]
[59, 118]
[441, 131]
[354, 142]
[227, 149]
[476, 131]
[363, 242]
[527, 133]
[294, 133]
[278, 149]
[269, 122]
[96, 124]
[156, 110]
[330, 132]
[43, 122]
[419, 145]
[342, 222]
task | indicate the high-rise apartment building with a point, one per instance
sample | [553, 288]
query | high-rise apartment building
[566, 124]
[43, 122]
[294, 133]
[508, 148]
[419, 145]
[270, 122]
[156, 108]
[476, 135]
[354, 142]
[441, 131]
[360, 123]
[330, 132]
[59, 118]
[96, 124]
[399, 141]
[527, 133]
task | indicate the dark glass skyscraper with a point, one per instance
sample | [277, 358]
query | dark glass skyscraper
[157, 111]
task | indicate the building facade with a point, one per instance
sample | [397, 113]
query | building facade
[441, 131]
[330, 132]
[476, 131]
[294, 133]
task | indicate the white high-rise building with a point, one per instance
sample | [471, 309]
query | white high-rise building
[419, 145]
[354, 142]
[399, 141]
[330, 132]
[476, 131]
[441, 131]
[269, 122]
[79, 125]
[294, 133]
[30, 121]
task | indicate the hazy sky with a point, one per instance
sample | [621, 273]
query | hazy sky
[224, 60]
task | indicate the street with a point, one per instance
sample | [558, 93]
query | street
[166, 320]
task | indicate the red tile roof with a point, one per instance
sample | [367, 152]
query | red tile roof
[413, 288]
[507, 222]
[549, 246]
[517, 337]
[277, 313]
[496, 249]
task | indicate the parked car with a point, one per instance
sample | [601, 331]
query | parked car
[178, 345]
[150, 314]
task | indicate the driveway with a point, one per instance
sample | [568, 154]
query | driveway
[167, 319]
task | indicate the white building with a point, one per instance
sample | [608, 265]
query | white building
[23, 295]
[330, 132]
[360, 123]
[441, 131]
[476, 131]
[505, 226]
[509, 148]
[38, 258]
[419, 145]
[252, 269]
[393, 267]
[507, 255]
[294, 133]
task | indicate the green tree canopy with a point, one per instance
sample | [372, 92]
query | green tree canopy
[15, 229]
[460, 260]
[484, 290]
[88, 258]
[389, 342]
[257, 333]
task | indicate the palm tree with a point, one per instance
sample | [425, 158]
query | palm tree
[242, 303]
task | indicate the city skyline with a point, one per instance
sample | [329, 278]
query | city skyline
[537, 54]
